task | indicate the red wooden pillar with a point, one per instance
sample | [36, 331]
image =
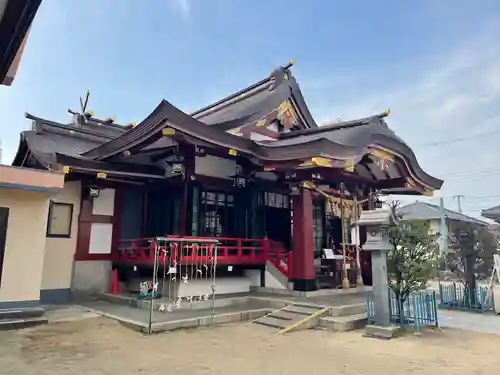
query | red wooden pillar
[304, 276]
[189, 169]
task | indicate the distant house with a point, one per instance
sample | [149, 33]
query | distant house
[431, 213]
[492, 213]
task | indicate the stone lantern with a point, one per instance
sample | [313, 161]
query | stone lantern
[377, 223]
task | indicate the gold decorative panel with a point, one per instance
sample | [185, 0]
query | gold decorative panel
[287, 115]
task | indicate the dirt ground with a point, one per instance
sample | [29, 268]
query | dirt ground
[102, 346]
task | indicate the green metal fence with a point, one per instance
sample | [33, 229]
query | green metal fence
[417, 311]
[456, 296]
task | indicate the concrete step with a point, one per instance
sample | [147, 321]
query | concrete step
[9, 324]
[27, 312]
[270, 321]
[344, 310]
[285, 315]
[343, 323]
[302, 310]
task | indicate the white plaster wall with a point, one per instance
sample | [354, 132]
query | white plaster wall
[101, 236]
[104, 204]
[253, 277]
[215, 167]
[223, 285]
[25, 244]
[260, 137]
[273, 127]
[272, 282]
[60, 252]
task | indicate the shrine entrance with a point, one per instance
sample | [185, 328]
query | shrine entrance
[277, 217]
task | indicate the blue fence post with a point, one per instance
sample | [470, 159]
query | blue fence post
[418, 310]
[434, 305]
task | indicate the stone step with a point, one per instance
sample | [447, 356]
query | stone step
[285, 315]
[343, 323]
[10, 324]
[302, 310]
[27, 312]
[344, 310]
[270, 321]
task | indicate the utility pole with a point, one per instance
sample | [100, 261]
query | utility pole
[444, 229]
[459, 197]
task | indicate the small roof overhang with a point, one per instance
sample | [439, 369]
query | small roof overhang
[30, 179]
[492, 213]
[16, 17]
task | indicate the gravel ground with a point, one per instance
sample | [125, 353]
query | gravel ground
[102, 346]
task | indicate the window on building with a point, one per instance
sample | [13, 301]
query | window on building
[217, 210]
[60, 217]
[276, 200]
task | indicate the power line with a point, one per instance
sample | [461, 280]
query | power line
[487, 171]
[458, 139]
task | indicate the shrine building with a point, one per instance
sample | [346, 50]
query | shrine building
[253, 170]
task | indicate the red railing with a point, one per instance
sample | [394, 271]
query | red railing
[230, 251]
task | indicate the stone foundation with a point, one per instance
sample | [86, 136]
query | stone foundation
[92, 276]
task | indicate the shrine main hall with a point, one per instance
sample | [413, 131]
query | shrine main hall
[253, 170]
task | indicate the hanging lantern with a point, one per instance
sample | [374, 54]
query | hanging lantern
[239, 180]
[378, 203]
[177, 165]
[294, 191]
[177, 169]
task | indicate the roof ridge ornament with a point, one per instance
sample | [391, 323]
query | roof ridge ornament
[81, 117]
[289, 65]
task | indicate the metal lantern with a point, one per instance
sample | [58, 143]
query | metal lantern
[177, 169]
[294, 190]
[177, 165]
[239, 180]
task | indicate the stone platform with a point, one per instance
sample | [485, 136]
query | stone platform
[229, 308]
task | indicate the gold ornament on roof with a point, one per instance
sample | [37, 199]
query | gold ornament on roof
[168, 131]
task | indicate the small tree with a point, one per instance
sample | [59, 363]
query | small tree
[413, 259]
[471, 257]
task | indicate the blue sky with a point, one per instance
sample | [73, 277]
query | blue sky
[436, 64]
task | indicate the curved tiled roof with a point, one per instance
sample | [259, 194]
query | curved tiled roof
[256, 101]
[344, 142]
[351, 140]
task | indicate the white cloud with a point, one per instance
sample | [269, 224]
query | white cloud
[183, 6]
[444, 97]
